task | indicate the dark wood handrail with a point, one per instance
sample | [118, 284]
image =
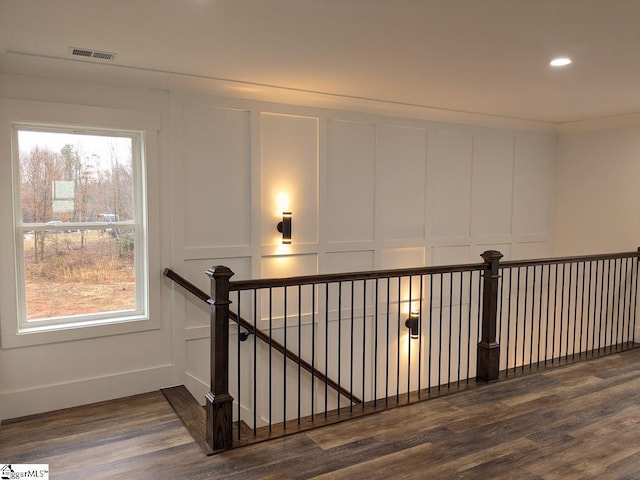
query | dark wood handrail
[186, 284]
[559, 260]
[190, 287]
[406, 272]
[352, 276]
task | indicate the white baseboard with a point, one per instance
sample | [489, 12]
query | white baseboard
[82, 392]
[196, 386]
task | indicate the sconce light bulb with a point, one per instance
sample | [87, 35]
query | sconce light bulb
[284, 227]
[413, 324]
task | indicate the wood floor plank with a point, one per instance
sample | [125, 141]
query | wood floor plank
[191, 413]
[579, 421]
[406, 464]
[387, 424]
[623, 469]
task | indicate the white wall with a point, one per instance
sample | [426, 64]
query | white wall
[598, 191]
[597, 196]
[366, 192]
[80, 366]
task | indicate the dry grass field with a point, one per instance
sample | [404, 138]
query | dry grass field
[73, 279]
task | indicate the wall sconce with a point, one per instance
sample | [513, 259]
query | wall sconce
[413, 324]
[284, 227]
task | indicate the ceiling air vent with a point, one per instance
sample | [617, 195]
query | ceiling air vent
[85, 52]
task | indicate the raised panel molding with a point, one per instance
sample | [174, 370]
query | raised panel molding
[400, 183]
[340, 262]
[216, 151]
[366, 195]
[194, 270]
[492, 186]
[350, 176]
[289, 165]
[289, 265]
[521, 251]
[203, 253]
[451, 255]
[449, 184]
[403, 257]
[533, 185]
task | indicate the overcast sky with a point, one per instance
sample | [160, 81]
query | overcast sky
[93, 150]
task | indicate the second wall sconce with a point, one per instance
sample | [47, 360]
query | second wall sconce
[412, 323]
[284, 227]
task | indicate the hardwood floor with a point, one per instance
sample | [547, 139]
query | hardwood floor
[579, 421]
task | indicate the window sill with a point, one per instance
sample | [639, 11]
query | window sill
[30, 336]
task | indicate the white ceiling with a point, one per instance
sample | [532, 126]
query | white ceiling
[481, 56]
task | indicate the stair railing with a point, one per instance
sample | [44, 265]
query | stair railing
[219, 275]
[219, 416]
[494, 316]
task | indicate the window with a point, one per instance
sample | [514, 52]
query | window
[80, 226]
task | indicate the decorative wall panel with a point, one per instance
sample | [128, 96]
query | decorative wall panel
[402, 257]
[350, 181]
[289, 154]
[533, 185]
[449, 184]
[492, 187]
[217, 177]
[400, 182]
[340, 262]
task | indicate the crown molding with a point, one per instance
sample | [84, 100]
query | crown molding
[628, 120]
[92, 71]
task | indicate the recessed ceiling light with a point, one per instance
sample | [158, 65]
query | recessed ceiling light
[560, 62]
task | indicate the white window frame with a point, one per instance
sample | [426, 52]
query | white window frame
[139, 226]
[16, 330]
